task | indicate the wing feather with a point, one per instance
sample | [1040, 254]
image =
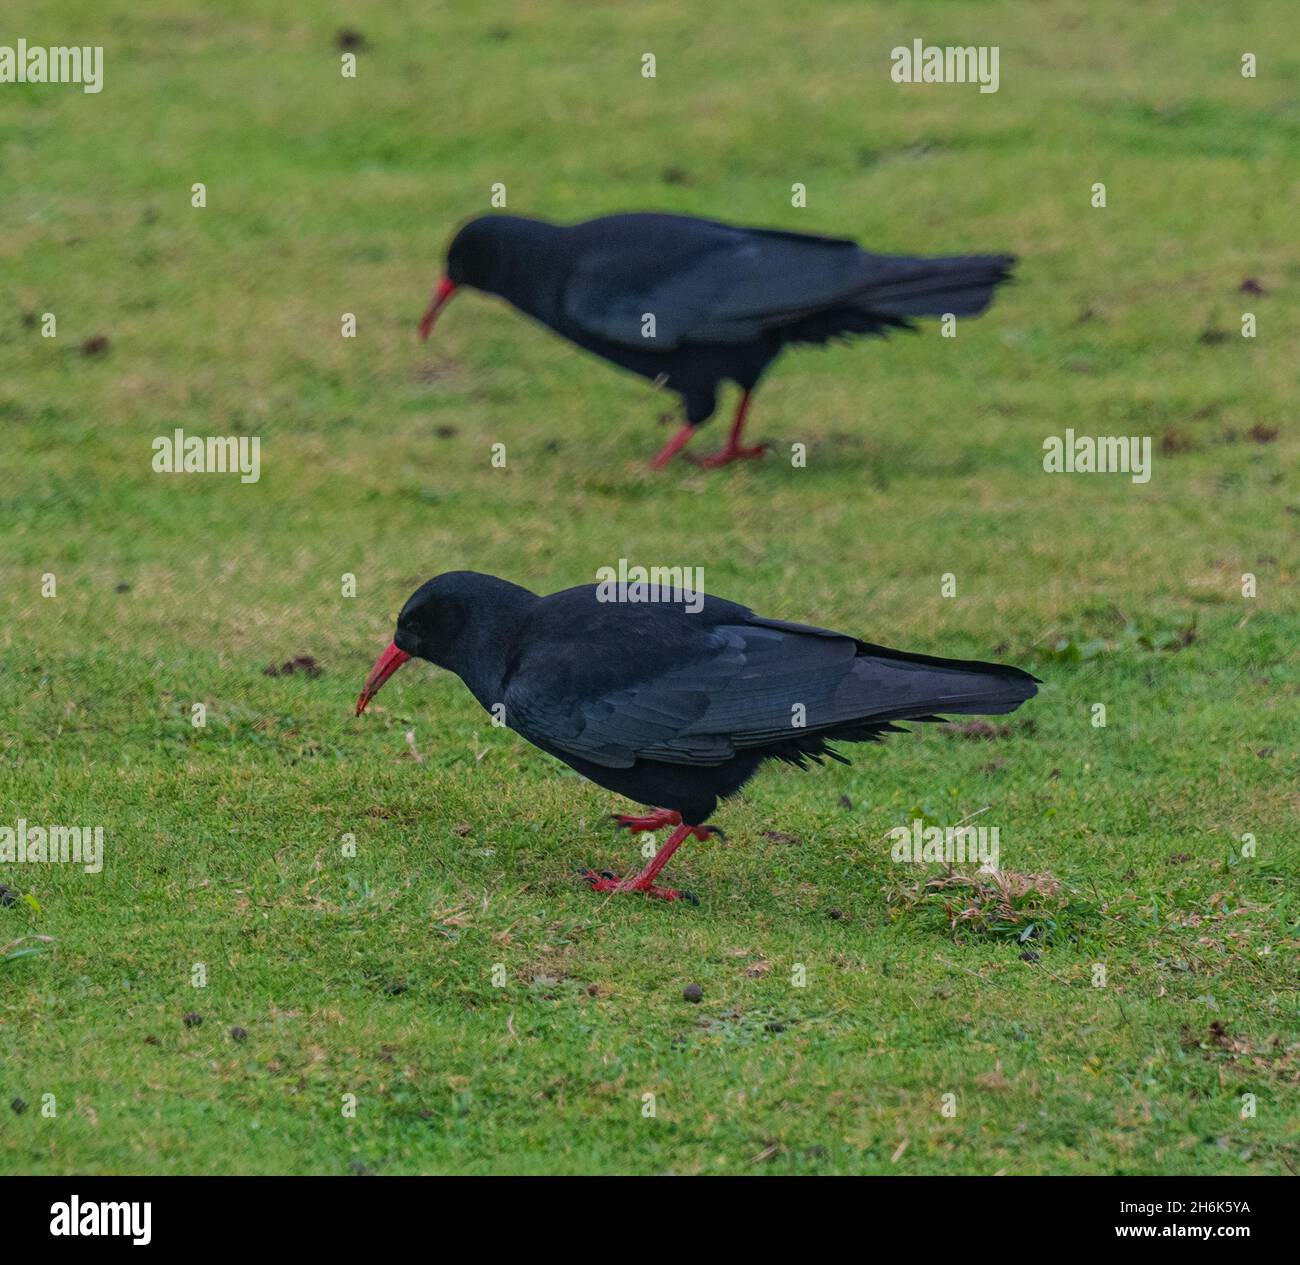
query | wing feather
[727, 286]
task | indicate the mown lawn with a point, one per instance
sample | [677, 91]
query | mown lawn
[373, 974]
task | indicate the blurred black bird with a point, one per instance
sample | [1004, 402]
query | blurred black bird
[689, 303]
[673, 707]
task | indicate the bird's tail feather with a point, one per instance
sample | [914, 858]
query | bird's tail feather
[903, 686]
[889, 685]
[960, 284]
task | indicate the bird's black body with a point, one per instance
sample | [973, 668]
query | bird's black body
[674, 709]
[724, 300]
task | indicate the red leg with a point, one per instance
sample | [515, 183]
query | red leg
[673, 447]
[733, 451]
[654, 821]
[612, 883]
[645, 881]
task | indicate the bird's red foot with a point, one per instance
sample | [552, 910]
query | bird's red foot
[667, 817]
[679, 441]
[726, 456]
[607, 882]
[645, 881]
[651, 821]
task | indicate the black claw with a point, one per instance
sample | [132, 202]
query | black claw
[716, 830]
[689, 897]
[607, 874]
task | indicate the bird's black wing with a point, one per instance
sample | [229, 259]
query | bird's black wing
[704, 282]
[746, 684]
[710, 283]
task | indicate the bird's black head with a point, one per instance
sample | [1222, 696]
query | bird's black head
[436, 614]
[492, 253]
[455, 620]
[476, 256]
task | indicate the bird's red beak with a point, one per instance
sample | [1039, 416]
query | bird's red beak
[385, 666]
[446, 288]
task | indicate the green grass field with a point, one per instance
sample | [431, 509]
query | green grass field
[372, 975]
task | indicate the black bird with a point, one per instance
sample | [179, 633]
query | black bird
[690, 303]
[671, 708]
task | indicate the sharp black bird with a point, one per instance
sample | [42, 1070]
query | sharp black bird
[691, 303]
[672, 706]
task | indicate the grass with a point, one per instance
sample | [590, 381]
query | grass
[372, 975]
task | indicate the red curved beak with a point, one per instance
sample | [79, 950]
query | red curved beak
[385, 666]
[446, 288]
